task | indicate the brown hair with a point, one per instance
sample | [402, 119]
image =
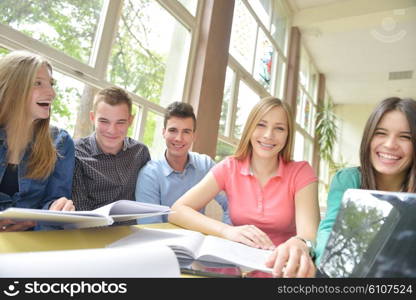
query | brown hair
[180, 110]
[18, 71]
[113, 96]
[244, 148]
[408, 108]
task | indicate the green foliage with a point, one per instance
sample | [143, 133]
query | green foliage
[223, 150]
[3, 51]
[350, 246]
[61, 113]
[149, 133]
[70, 26]
[133, 65]
[326, 130]
[134, 110]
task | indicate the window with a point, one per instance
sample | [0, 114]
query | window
[306, 103]
[150, 53]
[252, 43]
[263, 63]
[257, 63]
[191, 5]
[247, 98]
[67, 25]
[243, 36]
[149, 56]
[153, 134]
[223, 150]
[68, 93]
[226, 110]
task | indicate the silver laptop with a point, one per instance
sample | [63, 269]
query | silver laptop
[374, 236]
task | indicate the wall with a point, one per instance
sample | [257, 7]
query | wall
[352, 119]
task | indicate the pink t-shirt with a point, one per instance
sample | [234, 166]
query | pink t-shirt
[271, 208]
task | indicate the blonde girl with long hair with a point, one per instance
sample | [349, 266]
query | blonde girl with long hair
[37, 160]
[272, 200]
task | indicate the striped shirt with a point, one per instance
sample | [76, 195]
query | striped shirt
[101, 178]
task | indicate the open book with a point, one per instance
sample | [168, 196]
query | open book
[121, 210]
[191, 245]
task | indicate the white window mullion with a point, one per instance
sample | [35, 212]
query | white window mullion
[15, 40]
[195, 31]
[250, 81]
[106, 32]
[253, 61]
[231, 120]
[142, 118]
[179, 12]
[265, 30]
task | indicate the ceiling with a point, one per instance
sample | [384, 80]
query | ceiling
[357, 43]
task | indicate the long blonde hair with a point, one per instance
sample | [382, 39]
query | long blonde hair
[18, 71]
[244, 148]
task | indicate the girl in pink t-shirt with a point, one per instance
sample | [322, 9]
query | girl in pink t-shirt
[272, 200]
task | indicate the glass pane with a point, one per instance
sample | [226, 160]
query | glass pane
[313, 86]
[3, 51]
[243, 36]
[322, 197]
[65, 106]
[190, 5]
[152, 137]
[323, 170]
[303, 74]
[133, 131]
[247, 98]
[311, 129]
[306, 114]
[262, 10]
[150, 54]
[304, 69]
[226, 101]
[299, 147]
[299, 105]
[66, 25]
[223, 150]
[280, 81]
[302, 111]
[264, 60]
[307, 155]
[279, 25]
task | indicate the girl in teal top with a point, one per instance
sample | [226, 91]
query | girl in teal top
[387, 159]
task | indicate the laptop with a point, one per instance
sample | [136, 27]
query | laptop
[374, 236]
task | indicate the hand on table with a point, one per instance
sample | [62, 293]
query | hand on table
[291, 259]
[249, 235]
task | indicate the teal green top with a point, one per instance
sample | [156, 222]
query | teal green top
[348, 178]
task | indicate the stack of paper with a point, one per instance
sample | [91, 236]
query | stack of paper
[108, 263]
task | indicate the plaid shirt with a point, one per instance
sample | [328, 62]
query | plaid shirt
[101, 178]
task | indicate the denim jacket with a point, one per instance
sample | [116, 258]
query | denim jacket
[40, 193]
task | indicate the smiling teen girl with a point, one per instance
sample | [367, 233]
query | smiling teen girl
[387, 158]
[36, 161]
[272, 200]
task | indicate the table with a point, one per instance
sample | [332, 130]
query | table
[85, 238]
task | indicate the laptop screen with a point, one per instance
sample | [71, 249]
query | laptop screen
[374, 236]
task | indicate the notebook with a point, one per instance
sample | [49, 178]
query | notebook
[374, 236]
